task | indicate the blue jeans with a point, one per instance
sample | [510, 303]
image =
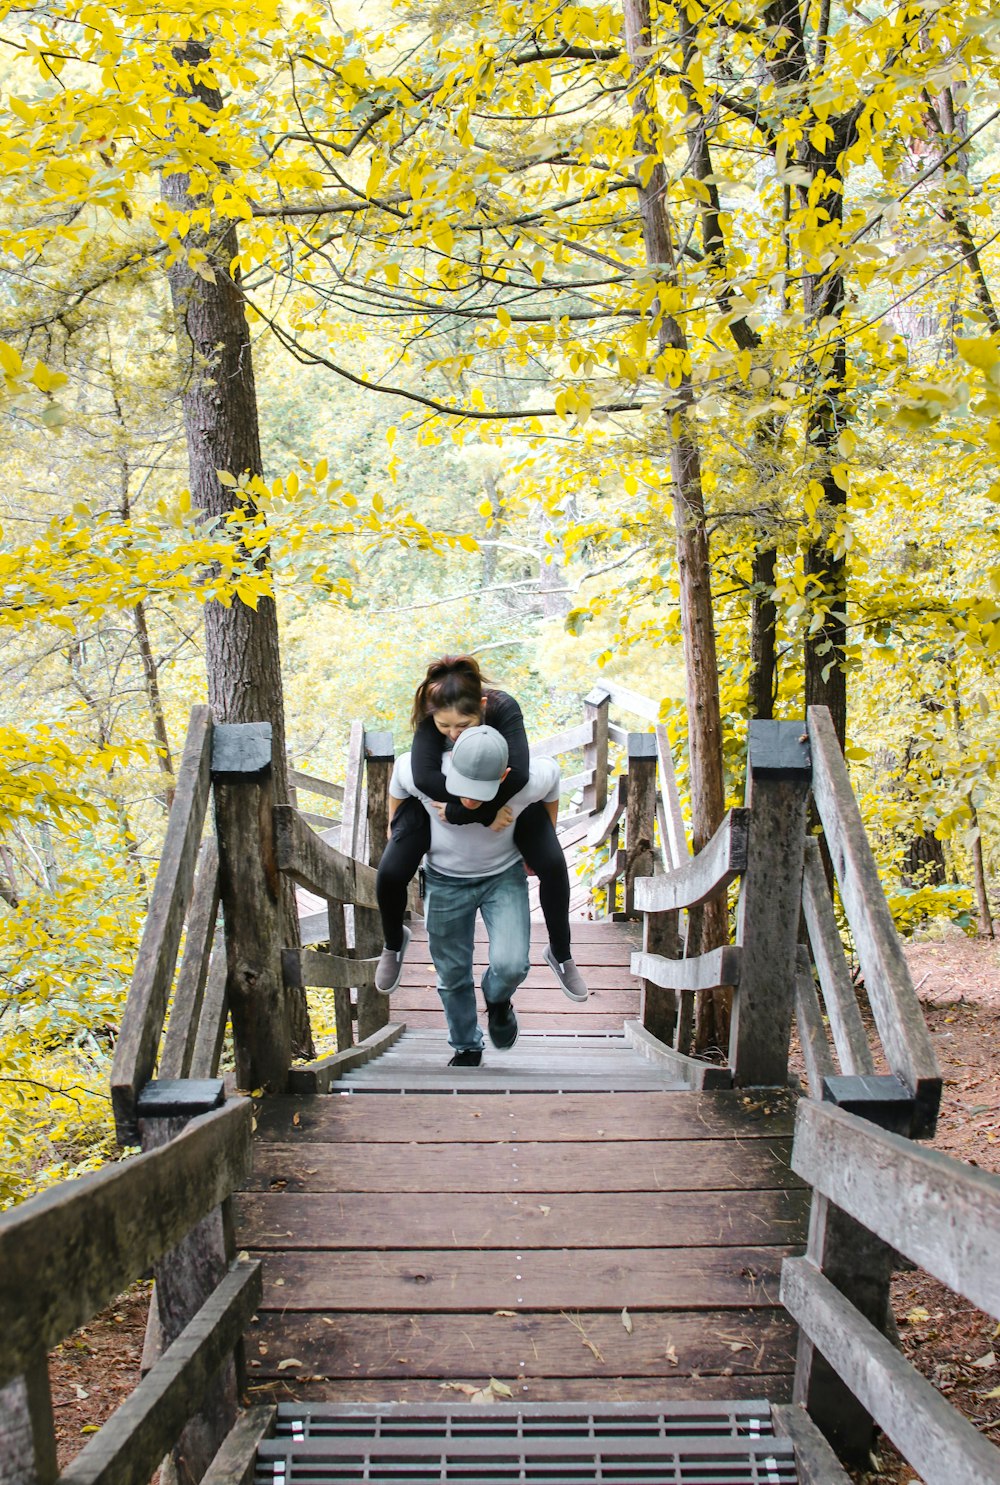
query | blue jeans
[450, 914]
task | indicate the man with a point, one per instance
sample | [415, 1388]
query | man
[477, 868]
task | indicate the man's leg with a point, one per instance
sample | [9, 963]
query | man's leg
[450, 915]
[503, 902]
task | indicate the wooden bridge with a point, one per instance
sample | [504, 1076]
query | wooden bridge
[598, 1256]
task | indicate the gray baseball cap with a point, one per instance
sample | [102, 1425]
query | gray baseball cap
[478, 760]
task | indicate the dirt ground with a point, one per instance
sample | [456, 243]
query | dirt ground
[954, 1345]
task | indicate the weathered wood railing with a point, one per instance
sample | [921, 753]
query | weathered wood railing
[186, 886]
[765, 844]
[66, 1254]
[911, 1093]
[941, 1215]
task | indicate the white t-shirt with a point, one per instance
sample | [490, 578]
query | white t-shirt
[475, 850]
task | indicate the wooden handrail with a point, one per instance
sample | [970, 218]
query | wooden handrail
[310, 784]
[182, 1028]
[941, 1214]
[145, 1007]
[673, 837]
[850, 1040]
[569, 741]
[67, 1253]
[702, 972]
[875, 1189]
[313, 864]
[145, 1426]
[601, 830]
[704, 876]
[894, 1003]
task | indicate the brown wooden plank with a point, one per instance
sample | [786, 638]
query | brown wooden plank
[182, 1028]
[530, 1116]
[610, 987]
[282, 1222]
[538, 1279]
[413, 1345]
[319, 868]
[703, 877]
[686, 1165]
[776, 1387]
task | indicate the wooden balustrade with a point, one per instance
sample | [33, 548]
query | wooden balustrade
[66, 1254]
[895, 1007]
[145, 1009]
[888, 1195]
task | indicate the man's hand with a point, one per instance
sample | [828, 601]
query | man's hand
[437, 805]
[504, 817]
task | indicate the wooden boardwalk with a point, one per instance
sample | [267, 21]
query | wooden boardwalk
[570, 1244]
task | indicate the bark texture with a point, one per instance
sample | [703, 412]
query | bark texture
[697, 617]
[221, 425]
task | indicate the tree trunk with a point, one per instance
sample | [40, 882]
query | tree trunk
[220, 420]
[763, 621]
[697, 617]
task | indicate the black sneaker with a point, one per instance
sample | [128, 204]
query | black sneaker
[471, 1057]
[502, 1023]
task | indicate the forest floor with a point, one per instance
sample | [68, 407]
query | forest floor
[954, 1345]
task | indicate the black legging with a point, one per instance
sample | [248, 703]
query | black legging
[535, 838]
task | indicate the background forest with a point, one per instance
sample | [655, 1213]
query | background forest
[644, 338]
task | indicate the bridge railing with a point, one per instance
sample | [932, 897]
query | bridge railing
[913, 1085]
[186, 891]
[765, 843]
[67, 1253]
[888, 1196]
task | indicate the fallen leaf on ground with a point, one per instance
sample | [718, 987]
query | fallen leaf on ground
[671, 1354]
[288, 1361]
[984, 1362]
[627, 1321]
[507, 1314]
[463, 1387]
[500, 1388]
[915, 1316]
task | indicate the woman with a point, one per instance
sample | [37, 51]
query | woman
[451, 697]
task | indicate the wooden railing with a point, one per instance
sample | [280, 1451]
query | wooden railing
[896, 1198]
[913, 1086]
[66, 1254]
[186, 887]
[765, 843]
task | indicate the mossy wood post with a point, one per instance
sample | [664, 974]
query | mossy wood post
[640, 813]
[373, 1008]
[779, 772]
[188, 1274]
[250, 888]
[595, 753]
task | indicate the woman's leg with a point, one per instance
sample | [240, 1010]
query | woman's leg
[409, 839]
[536, 839]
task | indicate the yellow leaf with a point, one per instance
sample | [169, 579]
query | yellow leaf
[503, 317]
[982, 354]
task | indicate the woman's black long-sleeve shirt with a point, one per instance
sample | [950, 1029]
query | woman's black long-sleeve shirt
[429, 745]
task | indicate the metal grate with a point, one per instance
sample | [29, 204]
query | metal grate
[721, 1444]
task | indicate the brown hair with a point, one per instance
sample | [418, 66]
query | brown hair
[453, 681]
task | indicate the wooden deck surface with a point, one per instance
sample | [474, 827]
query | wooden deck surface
[611, 1246]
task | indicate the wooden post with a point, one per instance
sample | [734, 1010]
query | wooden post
[595, 753]
[640, 813]
[27, 1429]
[859, 1265]
[659, 1006]
[778, 777]
[249, 884]
[187, 1275]
[341, 998]
[373, 1008]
